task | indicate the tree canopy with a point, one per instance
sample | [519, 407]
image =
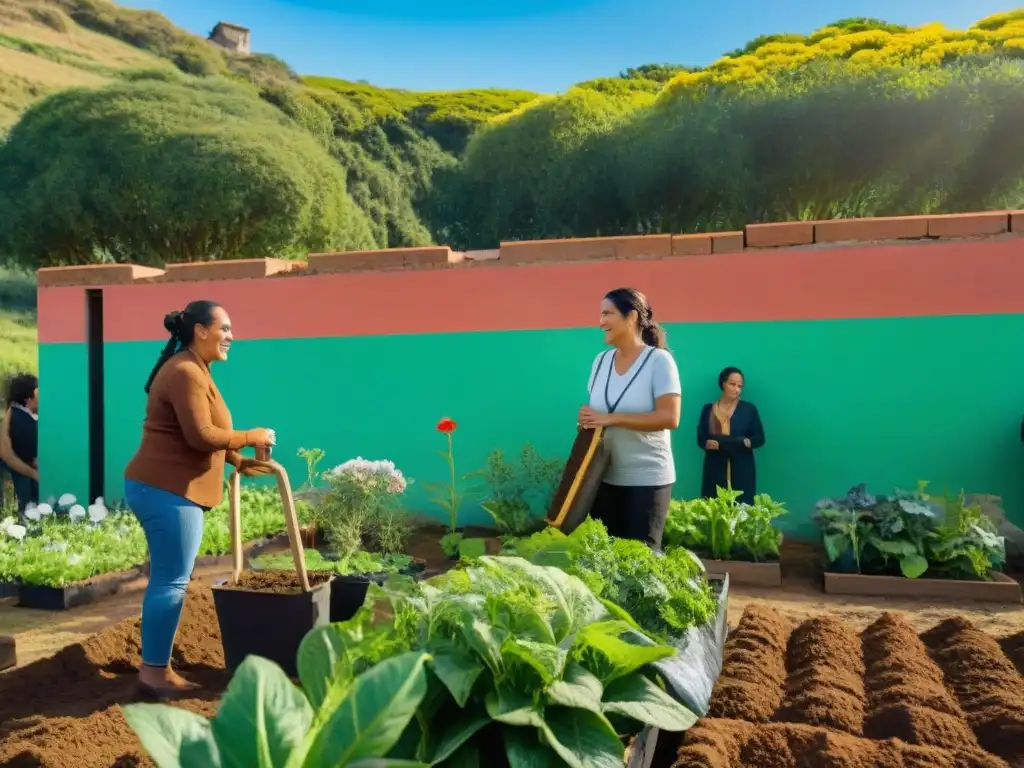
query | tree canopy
[157, 171]
[241, 157]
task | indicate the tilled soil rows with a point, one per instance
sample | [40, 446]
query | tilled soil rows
[821, 694]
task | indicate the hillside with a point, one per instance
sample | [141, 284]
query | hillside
[860, 118]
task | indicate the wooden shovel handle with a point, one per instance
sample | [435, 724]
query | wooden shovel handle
[290, 518]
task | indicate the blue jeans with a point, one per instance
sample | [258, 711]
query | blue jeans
[174, 530]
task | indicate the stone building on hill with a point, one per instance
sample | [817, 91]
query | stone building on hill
[232, 37]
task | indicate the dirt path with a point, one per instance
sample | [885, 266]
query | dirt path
[42, 633]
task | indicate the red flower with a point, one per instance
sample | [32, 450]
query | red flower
[446, 426]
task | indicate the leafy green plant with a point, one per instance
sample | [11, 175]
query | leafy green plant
[519, 493]
[58, 552]
[724, 529]
[524, 657]
[664, 593]
[450, 543]
[313, 457]
[355, 564]
[265, 721]
[845, 530]
[262, 516]
[912, 529]
[361, 508]
[966, 544]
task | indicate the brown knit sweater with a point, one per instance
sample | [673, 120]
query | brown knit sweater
[187, 434]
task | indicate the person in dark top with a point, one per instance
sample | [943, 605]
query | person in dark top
[728, 432]
[19, 440]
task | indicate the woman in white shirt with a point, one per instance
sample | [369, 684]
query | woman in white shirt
[635, 393]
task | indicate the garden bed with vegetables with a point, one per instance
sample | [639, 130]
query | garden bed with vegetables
[64, 555]
[490, 658]
[823, 694]
[729, 537]
[913, 544]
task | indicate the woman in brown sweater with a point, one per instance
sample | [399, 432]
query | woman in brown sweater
[178, 473]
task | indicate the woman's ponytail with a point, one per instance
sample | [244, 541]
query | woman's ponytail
[653, 335]
[173, 324]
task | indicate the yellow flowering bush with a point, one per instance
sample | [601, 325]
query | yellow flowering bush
[864, 43]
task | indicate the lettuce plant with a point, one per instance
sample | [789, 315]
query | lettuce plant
[665, 594]
[58, 551]
[264, 721]
[725, 529]
[357, 564]
[524, 658]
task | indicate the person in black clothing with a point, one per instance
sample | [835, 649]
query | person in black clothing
[19, 439]
[728, 432]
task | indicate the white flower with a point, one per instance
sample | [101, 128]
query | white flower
[55, 546]
[77, 512]
[45, 509]
[366, 471]
[16, 531]
[33, 513]
[97, 512]
[66, 500]
[74, 559]
[99, 500]
[7, 521]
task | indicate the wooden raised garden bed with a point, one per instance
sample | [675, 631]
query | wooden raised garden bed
[742, 572]
[1001, 589]
[73, 595]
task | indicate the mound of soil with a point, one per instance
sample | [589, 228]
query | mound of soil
[280, 582]
[886, 697]
[1013, 647]
[985, 682]
[754, 668]
[825, 682]
[66, 710]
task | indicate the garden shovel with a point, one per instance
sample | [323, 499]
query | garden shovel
[290, 518]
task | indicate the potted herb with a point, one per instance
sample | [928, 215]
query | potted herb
[364, 528]
[267, 613]
[729, 537]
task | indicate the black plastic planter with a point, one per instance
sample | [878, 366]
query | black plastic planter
[63, 598]
[268, 624]
[8, 589]
[348, 593]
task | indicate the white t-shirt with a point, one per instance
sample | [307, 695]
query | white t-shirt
[637, 458]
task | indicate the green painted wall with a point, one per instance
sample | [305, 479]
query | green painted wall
[885, 402]
[64, 420]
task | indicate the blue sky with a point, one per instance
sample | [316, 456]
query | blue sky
[538, 45]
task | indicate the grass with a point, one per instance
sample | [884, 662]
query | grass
[19, 346]
[43, 51]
